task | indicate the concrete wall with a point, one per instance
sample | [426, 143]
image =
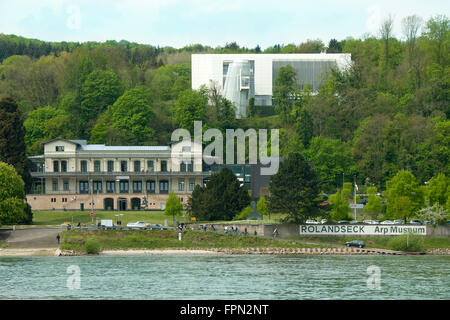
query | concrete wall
[438, 231]
[292, 230]
[251, 228]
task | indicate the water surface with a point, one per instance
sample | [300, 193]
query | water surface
[201, 277]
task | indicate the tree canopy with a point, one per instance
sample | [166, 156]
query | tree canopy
[221, 199]
[295, 189]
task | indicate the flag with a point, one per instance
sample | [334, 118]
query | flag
[356, 187]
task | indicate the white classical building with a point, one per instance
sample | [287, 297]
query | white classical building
[241, 76]
[74, 175]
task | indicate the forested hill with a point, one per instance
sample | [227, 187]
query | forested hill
[389, 112]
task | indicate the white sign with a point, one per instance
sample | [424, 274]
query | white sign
[377, 230]
[356, 205]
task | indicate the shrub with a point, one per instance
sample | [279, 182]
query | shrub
[405, 242]
[92, 246]
[244, 213]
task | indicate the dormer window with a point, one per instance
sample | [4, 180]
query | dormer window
[59, 148]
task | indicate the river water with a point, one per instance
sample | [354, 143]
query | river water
[231, 277]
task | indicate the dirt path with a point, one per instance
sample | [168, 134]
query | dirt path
[30, 238]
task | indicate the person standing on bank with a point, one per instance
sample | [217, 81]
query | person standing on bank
[58, 237]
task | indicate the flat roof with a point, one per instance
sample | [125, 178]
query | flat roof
[102, 147]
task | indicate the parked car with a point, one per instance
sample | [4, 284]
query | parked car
[369, 221]
[427, 222]
[355, 243]
[387, 222]
[107, 224]
[355, 222]
[155, 226]
[323, 221]
[312, 222]
[342, 221]
[138, 225]
[399, 221]
[415, 221]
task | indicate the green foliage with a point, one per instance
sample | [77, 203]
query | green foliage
[285, 91]
[251, 108]
[305, 127]
[133, 113]
[92, 246]
[99, 90]
[173, 207]
[403, 196]
[330, 158]
[438, 189]
[244, 213]
[339, 206]
[44, 124]
[295, 189]
[374, 205]
[262, 206]
[190, 106]
[13, 209]
[390, 105]
[12, 139]
[435, 213]
[221, 199]
[167, 82]
[407, 242]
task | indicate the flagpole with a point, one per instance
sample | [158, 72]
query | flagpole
[355, 187]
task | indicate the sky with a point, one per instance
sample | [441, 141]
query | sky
[178, 23]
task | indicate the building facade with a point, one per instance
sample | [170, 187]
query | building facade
[242, 76]
[74, 175]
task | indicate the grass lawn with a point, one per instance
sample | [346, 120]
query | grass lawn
[59, 217]
[44, 217]
[163, 239]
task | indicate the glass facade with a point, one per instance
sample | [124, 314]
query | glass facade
[164, 186]
[83, 166]
[123, 166]
[137, 166]
[164, 166]
[124, 186]
[151, 186]
[110, 186]
[97, 186]
[63, 166]
[97, 166]
[84, 186]
[110, 166]
[150, 165]
[137, 186]
[309, 72]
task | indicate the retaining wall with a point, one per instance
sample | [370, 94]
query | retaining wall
[292, 230]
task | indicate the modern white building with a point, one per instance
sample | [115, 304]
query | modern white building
[241, 76]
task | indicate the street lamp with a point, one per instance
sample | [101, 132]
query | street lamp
[118, 218]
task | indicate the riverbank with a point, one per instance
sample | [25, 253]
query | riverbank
[142, 242]
[17, 252]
